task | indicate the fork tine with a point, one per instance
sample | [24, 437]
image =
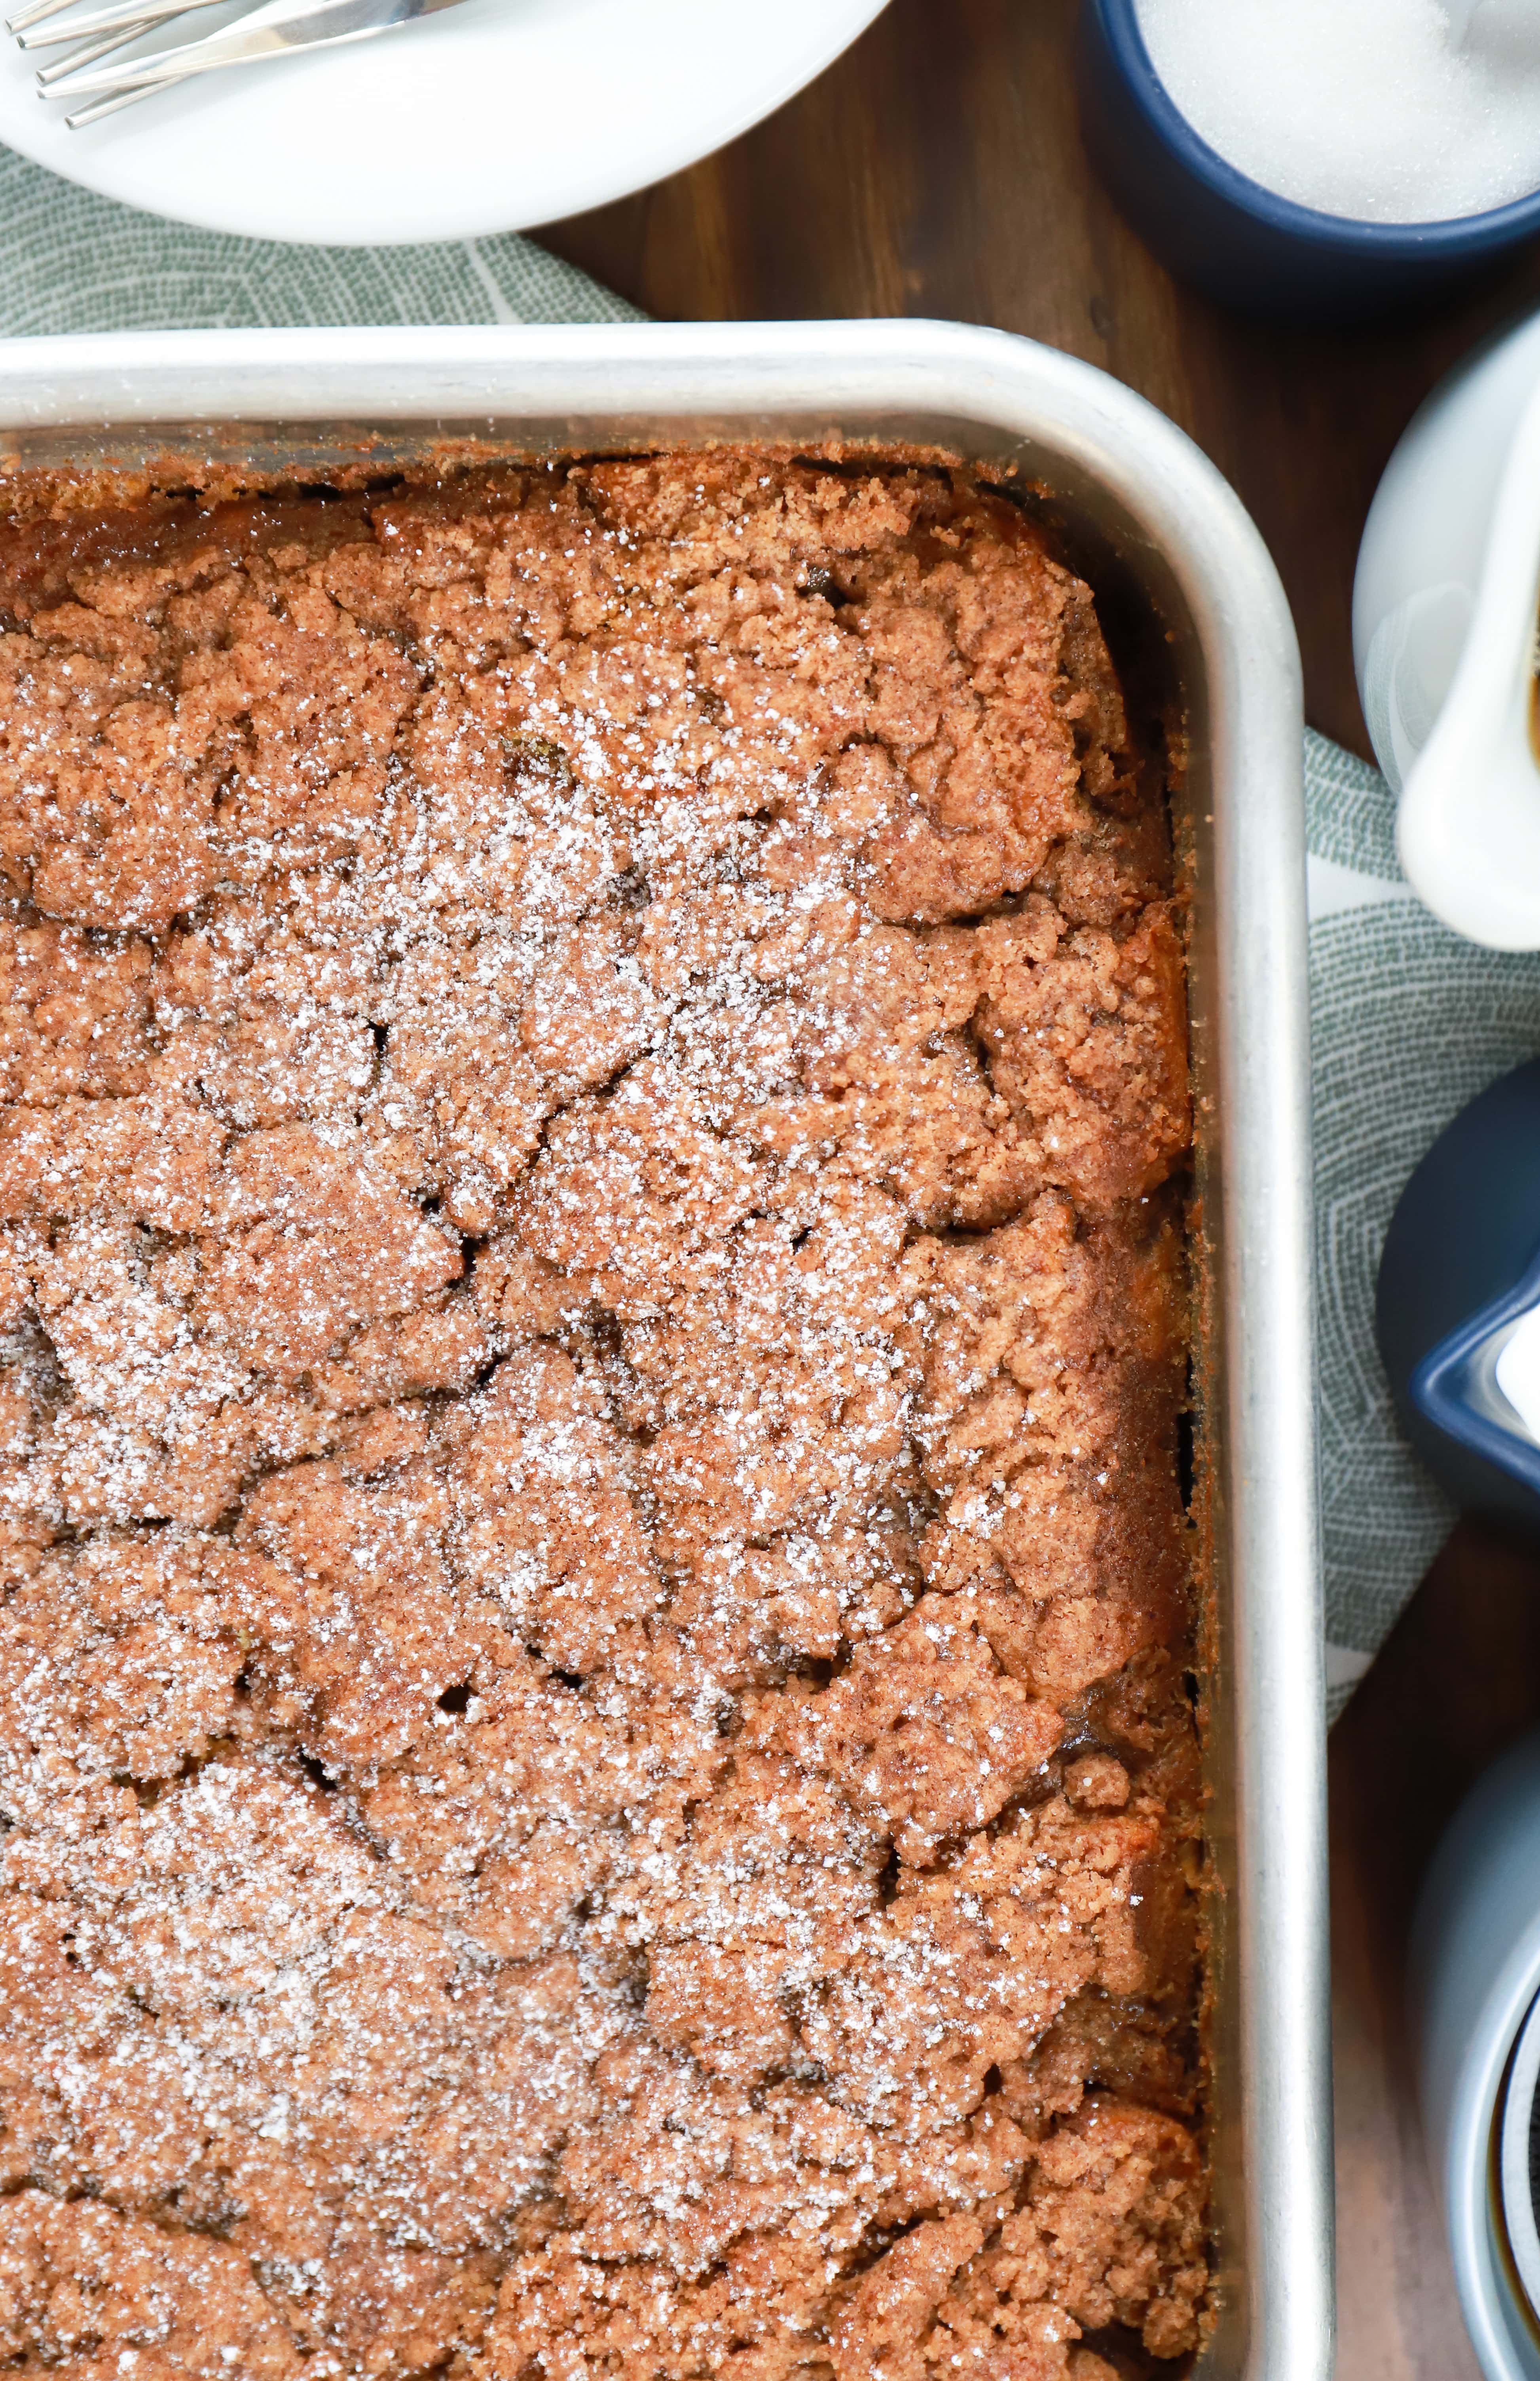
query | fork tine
[95, 109]
[107, 20]
[155, 71]
[86, 56]
[35, 13]
[274, 28]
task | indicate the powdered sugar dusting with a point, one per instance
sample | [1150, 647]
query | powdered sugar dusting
[591, 1733]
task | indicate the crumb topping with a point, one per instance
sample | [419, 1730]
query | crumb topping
[594, 1764]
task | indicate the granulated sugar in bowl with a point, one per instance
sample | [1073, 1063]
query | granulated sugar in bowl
[1384, 111]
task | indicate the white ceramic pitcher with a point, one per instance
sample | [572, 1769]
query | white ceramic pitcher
[1444, 609]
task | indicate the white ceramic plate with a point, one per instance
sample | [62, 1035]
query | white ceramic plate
[488, 117]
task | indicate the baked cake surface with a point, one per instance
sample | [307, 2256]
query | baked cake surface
[596, 1772]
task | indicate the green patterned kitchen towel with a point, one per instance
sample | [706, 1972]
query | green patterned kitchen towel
[1408, 1023]
[72, 262]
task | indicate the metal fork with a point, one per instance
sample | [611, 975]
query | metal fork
[275, 29]
[37, 27]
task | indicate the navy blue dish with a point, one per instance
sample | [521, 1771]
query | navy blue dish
[1462, 1262]
[1237, 241]
[1455, 1387]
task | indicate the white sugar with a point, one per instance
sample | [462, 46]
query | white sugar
[1389, 111]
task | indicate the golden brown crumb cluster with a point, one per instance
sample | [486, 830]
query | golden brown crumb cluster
[596, 1778]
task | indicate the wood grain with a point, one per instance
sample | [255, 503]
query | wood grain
[938, 169]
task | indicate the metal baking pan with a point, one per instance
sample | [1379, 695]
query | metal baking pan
[1161, 536]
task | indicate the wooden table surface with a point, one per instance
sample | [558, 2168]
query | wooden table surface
[938, 169]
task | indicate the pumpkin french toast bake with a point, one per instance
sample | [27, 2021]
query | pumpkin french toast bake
[597, 1762]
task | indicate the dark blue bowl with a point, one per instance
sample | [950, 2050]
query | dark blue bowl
[1238, 242]
[1462, 1262]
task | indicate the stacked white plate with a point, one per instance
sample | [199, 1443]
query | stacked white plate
[487, 117]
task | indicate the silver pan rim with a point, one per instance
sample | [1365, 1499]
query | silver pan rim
[1182, 529]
